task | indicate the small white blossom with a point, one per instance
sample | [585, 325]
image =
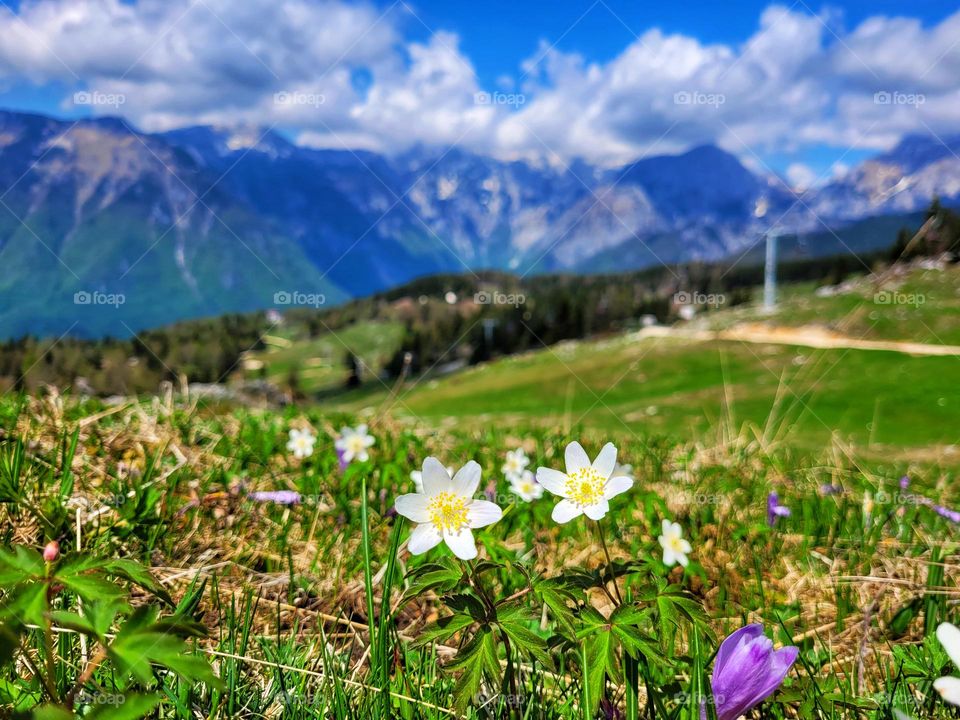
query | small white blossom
[675, 548]
[526, 486]
[586, 488]
[445, 510]
[353, 443]
[301, 443]
[515, 464]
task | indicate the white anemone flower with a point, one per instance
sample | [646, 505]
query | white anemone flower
[445, 510]
[417, 477]
[301, 443]
[947, 686]
[675, 548]
[586, 488]
[515, 463]
[623, 469]
[353, 443]
[526, 487]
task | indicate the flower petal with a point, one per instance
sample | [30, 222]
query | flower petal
[616, 485]
[597, 510]
[553, 480]
[949, 689]
[606, 461]
[436, 479]
[423, 538]
[576, 457]
[467, 480]
[413, 506]
[565, 511]
[481, 513]
[462, 544]
[949, 637]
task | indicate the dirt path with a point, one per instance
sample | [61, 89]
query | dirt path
[804, 336]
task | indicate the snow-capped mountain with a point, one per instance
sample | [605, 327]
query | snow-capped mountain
[209, 220]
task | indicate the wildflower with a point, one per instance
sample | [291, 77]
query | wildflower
[947, 686]
[51, 551]
[623, 470]
[747, 671]
[952, 515]
[515, 464]
[526, 486]
[675, 548]
[585, 488]
[830, 489]
[353, 442]
[775, 509]
[445, 509]
[905, 482]
[281, 497]
[417, 477]
[301, 443]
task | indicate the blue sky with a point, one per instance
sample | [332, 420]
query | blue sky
[799, 89]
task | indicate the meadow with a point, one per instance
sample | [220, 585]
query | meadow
[175, 557]
[317, 608]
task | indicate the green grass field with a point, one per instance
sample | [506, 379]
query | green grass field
[196, 596]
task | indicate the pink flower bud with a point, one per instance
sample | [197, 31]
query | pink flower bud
[52, 551]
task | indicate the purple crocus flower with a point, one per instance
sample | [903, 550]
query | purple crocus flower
[281, 497]
[775, 509]
[747, 671]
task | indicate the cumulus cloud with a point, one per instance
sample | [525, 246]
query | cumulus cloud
[339, 74]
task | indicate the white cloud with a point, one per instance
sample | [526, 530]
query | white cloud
[792, 85]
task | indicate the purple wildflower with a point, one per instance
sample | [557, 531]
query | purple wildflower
[904, 482]
[281, 497]
[830, 489]
[942, 511]
[747, 671]
[775, 509]
[340, 459]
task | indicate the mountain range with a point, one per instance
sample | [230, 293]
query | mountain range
[106, 230]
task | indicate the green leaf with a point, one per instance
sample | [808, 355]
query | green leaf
[51, 712]
[527, 640]
[20, 565]
[598, 661]
[443, 629]
[473, 659]
[439, 576]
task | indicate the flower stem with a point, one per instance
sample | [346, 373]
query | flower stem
[606, 554]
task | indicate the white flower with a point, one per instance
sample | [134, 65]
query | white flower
[526, 486]
[949, 687]
[353, 443]
[585, 488]
[417, 477]
[515, 464]
[445, 509]
[624, 470]
[301, 443]
[675, 548]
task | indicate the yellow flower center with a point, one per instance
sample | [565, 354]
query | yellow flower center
[585, 486]
[448, 512]
[676, 544]
[355, 444]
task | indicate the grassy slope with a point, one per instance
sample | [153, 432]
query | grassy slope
[887, 403]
